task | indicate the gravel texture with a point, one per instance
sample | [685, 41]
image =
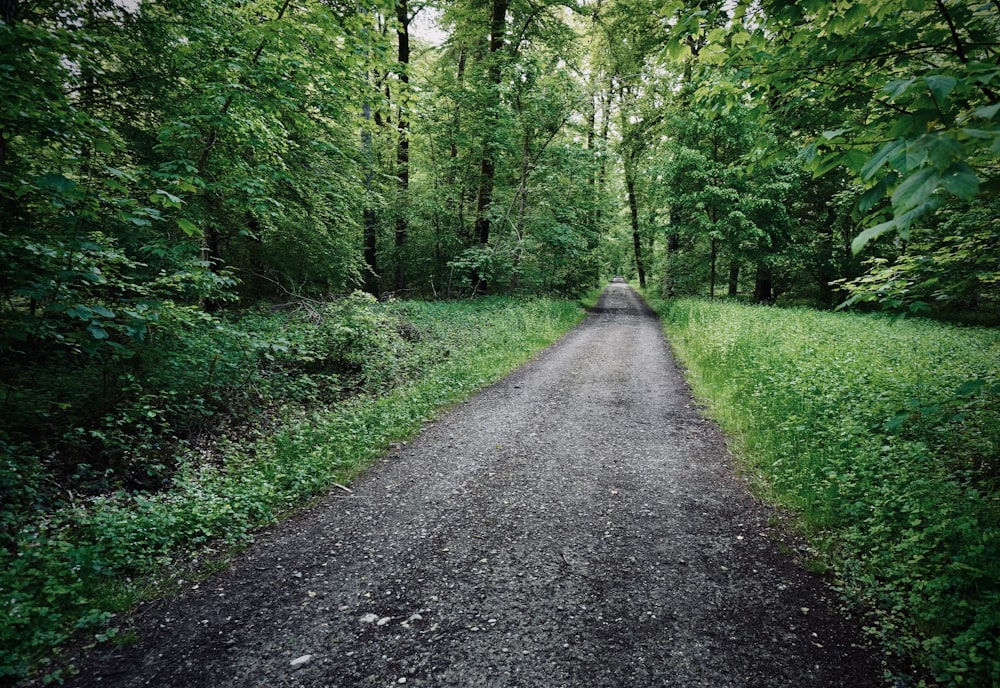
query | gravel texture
[577, 524]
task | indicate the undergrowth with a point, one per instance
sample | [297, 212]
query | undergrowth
[188, 447]
[884, 435]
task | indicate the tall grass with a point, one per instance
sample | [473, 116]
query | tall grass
[71, 568]
[884, 436]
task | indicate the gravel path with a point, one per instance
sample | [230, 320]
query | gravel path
[577, 524]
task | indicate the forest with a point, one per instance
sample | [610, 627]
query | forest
[218, 219]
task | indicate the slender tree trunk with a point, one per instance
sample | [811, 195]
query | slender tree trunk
[522, 187]
[633, 205]
[368, 214]
[402, 141]
[484, 198]
[734, 277]
[959, 46]
[713, 259]
[602, 167]
[8, 12]
[487, 166]
[827, 270]
[673, 245]
[451, 180]
[592, 177]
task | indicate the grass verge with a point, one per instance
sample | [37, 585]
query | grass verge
[70, 569]
[884, 436]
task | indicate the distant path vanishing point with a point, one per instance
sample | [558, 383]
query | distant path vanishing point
[577, 524]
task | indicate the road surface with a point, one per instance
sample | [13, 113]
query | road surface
[577, 524]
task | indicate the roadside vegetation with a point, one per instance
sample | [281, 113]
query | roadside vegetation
[883, 436]
[120, 475]
[165, 166]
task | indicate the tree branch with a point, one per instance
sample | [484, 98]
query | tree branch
[959, 47]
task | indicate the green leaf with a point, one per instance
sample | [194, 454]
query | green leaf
[80, 311]
[836, 133]
[987, 111]
[677, 50]
[166, 198]
[870, 234]
[56, 182]
[897, 421]
[188, 227]
[894, 89]
[879, 159]
[97, 332]
[941, 86]
[941, 149]
[825, 163]
[857, 15]
[120, 174]
[967, 389]
[915, 189]
[961, 181]
[870, 198]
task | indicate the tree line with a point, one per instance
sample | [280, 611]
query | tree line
[162, 160]
[165, 162]
[163, 153]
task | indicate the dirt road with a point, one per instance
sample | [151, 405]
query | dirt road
[577, 524]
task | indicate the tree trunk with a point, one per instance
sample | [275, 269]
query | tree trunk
[369, 218]
[451, 181]
[8, 12]
[826, 272]
[673, 245]
[487, 167]
[713, 259]
[763, 290]
[633, 205]
[402, 141]
[734, 277]
[484, 197]
[522, 187]
[602, 167]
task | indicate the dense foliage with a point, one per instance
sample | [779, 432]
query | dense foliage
[888, 448]
[807, 144]
[165, 165]
[174, 152]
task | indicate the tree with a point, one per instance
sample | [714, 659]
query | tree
[902, 94]
[630, 38]
[723, 197]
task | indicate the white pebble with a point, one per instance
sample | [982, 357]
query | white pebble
[300, 661]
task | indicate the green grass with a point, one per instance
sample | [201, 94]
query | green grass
[70, 569]
[884, 437]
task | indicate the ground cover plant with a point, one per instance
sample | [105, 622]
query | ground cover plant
[241, 420]
[884, 436]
